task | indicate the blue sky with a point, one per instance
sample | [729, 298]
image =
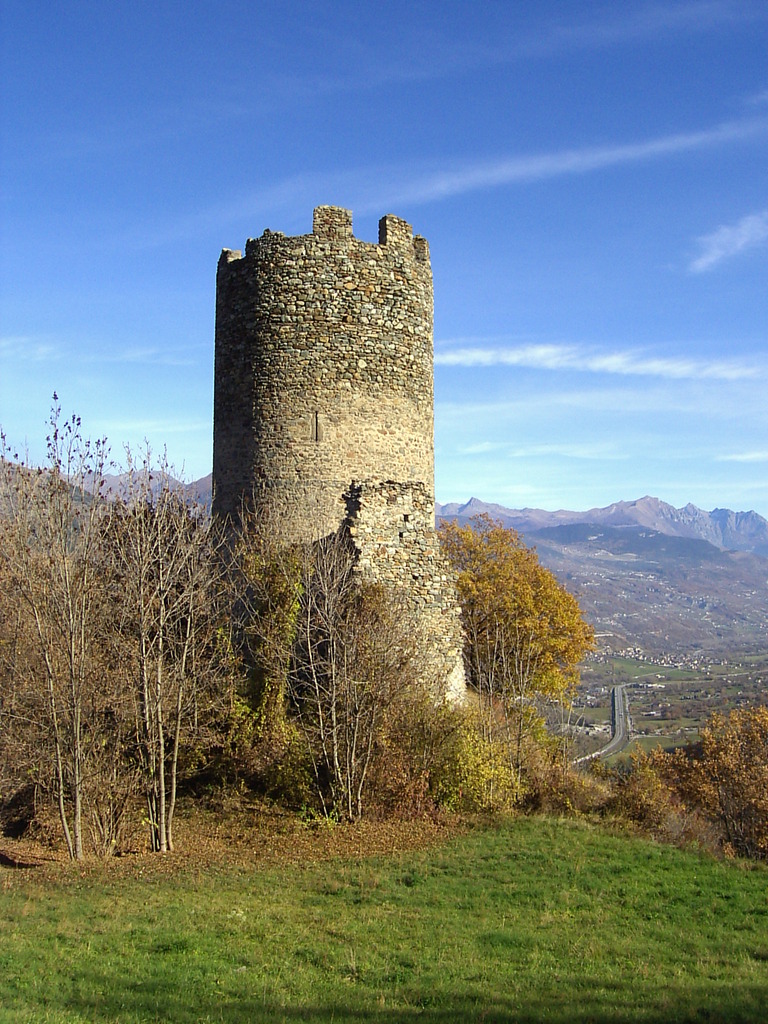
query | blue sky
[592, 179]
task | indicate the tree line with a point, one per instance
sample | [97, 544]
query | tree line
[147, 648]
[148, 651]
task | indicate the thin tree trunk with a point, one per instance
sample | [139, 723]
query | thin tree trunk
[60, 773]
[174, 764]
[57, 747]
[160, 729]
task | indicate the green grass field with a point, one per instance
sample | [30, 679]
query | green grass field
[536, 920]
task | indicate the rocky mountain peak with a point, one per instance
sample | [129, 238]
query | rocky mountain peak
[723, 528]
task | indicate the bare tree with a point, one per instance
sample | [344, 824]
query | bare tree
[165, 554]
[324, 653]
[353, 659]
[17, 725]
[51, 564]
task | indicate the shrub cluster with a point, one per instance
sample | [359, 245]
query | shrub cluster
[713, 793]
[145, 648]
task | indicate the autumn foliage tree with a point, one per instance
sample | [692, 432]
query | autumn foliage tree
[713, 792]
[525, 633]
[725, 778]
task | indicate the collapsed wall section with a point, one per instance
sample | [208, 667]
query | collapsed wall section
[391, 526]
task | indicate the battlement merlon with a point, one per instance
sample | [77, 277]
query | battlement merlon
[224, 268]
[334, 224]
[397, 233]
[228, 255]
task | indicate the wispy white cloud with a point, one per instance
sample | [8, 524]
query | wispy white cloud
[623, 363]
[137, 129]
[21, 348]
[580, 30]
[539, 167]
[646, 21]
[623, 408]
[363, 188]
[597, 450]
[730, 240]
[298, 192]
[758, 99]
[30, 349]
[755, 456]
[149, 428]
[140, 356]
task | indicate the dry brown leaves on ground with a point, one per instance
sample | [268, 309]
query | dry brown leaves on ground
[239, 834]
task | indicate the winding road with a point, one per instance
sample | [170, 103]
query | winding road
[619, 724]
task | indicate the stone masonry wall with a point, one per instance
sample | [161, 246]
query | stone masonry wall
[392, 529]
[323, 389]
[323, 368]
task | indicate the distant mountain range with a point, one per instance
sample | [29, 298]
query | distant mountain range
[726, 530]
[652, 579]
[722, 528]
[674, 582]
[679, 583]
[199, 491]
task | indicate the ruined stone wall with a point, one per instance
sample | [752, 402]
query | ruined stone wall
[323, 368]
[391, 525]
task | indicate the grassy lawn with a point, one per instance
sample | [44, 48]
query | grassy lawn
[648, 743]
[537, 920]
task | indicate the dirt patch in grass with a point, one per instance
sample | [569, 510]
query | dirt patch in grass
[233, 832]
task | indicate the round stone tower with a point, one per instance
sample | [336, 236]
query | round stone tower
[323, 406]
[323, 371]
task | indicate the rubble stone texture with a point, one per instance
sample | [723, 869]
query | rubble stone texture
[323, 402]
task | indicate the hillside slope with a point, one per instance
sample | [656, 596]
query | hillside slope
[648, 576]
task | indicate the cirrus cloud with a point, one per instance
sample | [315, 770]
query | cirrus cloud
[729, 240]
[752, 456]
[623, 363]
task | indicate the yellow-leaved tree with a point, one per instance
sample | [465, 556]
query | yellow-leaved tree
[524, 632]
[726, 776]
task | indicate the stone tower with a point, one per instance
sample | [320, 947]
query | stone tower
[323, 368]
[323, 400]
